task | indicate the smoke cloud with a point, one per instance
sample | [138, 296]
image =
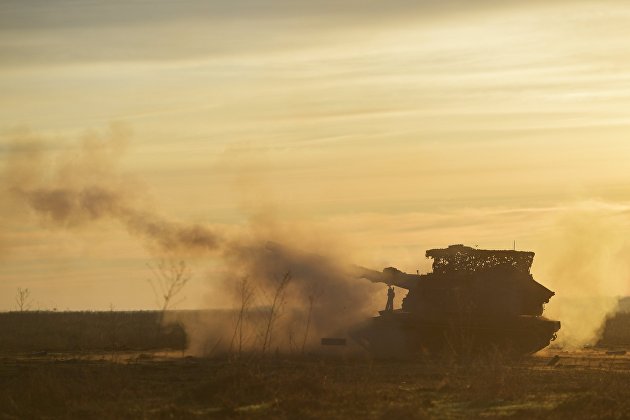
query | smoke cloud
[585, 261]
[78, 187]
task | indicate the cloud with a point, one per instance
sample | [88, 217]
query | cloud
[63, 32]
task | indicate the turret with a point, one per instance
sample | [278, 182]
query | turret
[486, 282]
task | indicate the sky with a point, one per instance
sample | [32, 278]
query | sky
[379, 128]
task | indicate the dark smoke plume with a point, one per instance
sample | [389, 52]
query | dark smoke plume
[87, 188]
[80, 187]
[339, 300]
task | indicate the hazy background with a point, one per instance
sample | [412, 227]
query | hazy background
[380, 129]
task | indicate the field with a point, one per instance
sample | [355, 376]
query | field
[130, 379]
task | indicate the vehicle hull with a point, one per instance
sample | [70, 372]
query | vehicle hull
[401, 334]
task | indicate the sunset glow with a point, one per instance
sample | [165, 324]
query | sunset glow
[379, 129]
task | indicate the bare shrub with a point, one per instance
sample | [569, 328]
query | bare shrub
[169, 278]
[312, 297]
[246, 294]
[275, 310]
[23, 299]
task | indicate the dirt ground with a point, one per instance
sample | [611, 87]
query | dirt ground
[553, 384]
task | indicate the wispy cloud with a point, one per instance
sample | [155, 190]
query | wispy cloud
[401, 124]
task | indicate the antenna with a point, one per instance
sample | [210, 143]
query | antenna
[515, 245]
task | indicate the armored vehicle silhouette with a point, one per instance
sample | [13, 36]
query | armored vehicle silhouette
[474, 300]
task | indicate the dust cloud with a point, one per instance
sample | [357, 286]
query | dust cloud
[585, 261]
[294, 278]
[301, 296]
[75, 188]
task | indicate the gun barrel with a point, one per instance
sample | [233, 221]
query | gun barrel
[390, 276]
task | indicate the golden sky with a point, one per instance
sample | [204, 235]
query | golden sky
[387, 127]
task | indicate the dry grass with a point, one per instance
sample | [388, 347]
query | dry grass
[80, 384]
[307, 388]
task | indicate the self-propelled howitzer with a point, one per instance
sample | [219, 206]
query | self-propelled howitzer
[473, 300]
